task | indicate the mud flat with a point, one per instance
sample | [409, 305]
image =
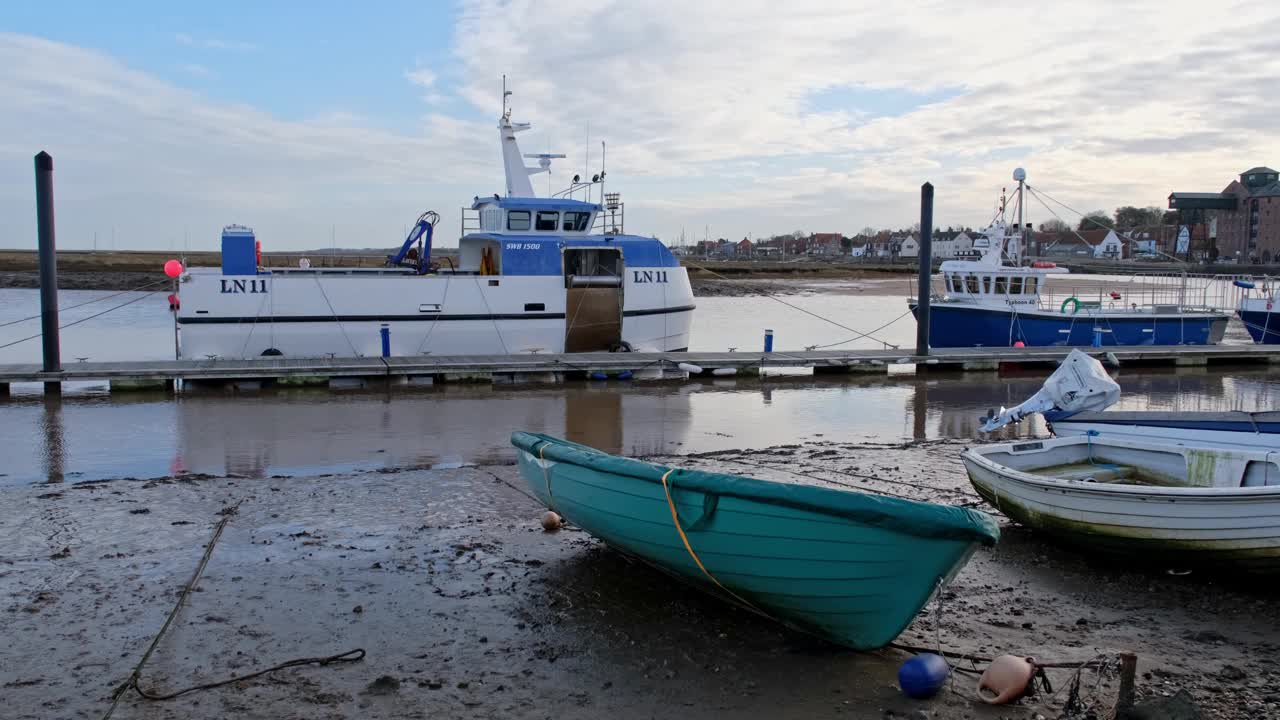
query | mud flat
[467, 609]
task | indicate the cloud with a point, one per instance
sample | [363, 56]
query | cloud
[1105, 104]
[197, 70]
[152, 159]
[422, 77]
[213, 43]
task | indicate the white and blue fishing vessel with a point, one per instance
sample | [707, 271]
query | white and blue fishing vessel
[533, 275]
[992, 300]
[1258, 312]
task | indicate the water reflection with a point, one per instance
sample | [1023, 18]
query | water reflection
[309, 431]
[54, 452]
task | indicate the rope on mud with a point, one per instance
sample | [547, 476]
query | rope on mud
[777, 299]
[136, 675]
[355, 655]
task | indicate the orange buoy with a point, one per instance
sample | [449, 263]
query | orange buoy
[1006, 679]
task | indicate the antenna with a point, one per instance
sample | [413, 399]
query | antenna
[505, 94]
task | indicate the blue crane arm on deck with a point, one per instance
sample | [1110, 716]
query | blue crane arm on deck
[424, 230]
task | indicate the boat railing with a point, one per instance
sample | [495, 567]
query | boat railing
[322, 259]
[470, 221]
[609, 221]
[1143, 290]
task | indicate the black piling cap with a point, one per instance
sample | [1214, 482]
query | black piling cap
[44, 161]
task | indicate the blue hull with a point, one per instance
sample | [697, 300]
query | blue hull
[1263, 327]
[955, 325]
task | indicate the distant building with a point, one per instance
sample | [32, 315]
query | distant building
[1102, 244]
[1243, 219]
[743, 248]
[1110, 247]
[824, 244]
[909, 247]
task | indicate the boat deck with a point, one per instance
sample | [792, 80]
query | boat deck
[541, 368]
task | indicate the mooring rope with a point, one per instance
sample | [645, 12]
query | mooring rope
[81, 320]
[776, 299]
[86, 302]
[136, 675]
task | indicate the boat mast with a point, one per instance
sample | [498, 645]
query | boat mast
[1021, 176]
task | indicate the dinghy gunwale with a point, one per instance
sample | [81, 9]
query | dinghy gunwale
[980, 456]
[910, 517]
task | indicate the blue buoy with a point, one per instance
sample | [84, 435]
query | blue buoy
[599, 376]
[624, 375]
[923, 676]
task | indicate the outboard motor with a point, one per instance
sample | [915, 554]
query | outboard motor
[1080, 384]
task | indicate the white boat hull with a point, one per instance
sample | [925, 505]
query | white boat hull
[325, 313]
[1193, 525]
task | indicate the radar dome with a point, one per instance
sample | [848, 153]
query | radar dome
[1019, 174]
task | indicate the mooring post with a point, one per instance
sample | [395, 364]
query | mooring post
[48, 269]
[926, 269]
[1128, 669]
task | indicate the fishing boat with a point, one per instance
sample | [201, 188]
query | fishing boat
[992, 300]
[1258, 312]
[534, 274]
[1184, 506]
[850, 567]
[1075, 398]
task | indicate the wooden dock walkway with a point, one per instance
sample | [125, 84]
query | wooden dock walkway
[550, 368]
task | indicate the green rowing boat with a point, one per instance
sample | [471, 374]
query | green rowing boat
[847, 566]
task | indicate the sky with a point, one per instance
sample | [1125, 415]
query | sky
[336, 123]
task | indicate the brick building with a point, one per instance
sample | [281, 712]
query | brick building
[1244, 218]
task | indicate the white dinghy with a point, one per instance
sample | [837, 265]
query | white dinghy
[1180, 505]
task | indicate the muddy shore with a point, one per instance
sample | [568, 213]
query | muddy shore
[467, 609]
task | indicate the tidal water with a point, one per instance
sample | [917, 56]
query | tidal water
[91, 434]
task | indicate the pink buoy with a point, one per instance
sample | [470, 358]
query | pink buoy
[173, 268]
[1019, 344]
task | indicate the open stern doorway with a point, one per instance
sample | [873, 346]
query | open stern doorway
[593, 307]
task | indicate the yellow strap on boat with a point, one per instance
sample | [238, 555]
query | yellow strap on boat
[675, 520]
[546, 475]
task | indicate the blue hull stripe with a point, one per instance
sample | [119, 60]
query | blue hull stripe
[967, 326]
[1222, 425]
[423, 317]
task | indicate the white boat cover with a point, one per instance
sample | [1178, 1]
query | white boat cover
[1079, 384]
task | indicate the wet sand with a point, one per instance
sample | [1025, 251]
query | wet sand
[467, 609]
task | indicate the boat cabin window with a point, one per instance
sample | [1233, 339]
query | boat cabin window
[576, 221]
[517, 219]
[1002, 285]
[986, 284]
[1015, 286]
[1030, 285]
[547, 221]
[946, 283]
[971, 284]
